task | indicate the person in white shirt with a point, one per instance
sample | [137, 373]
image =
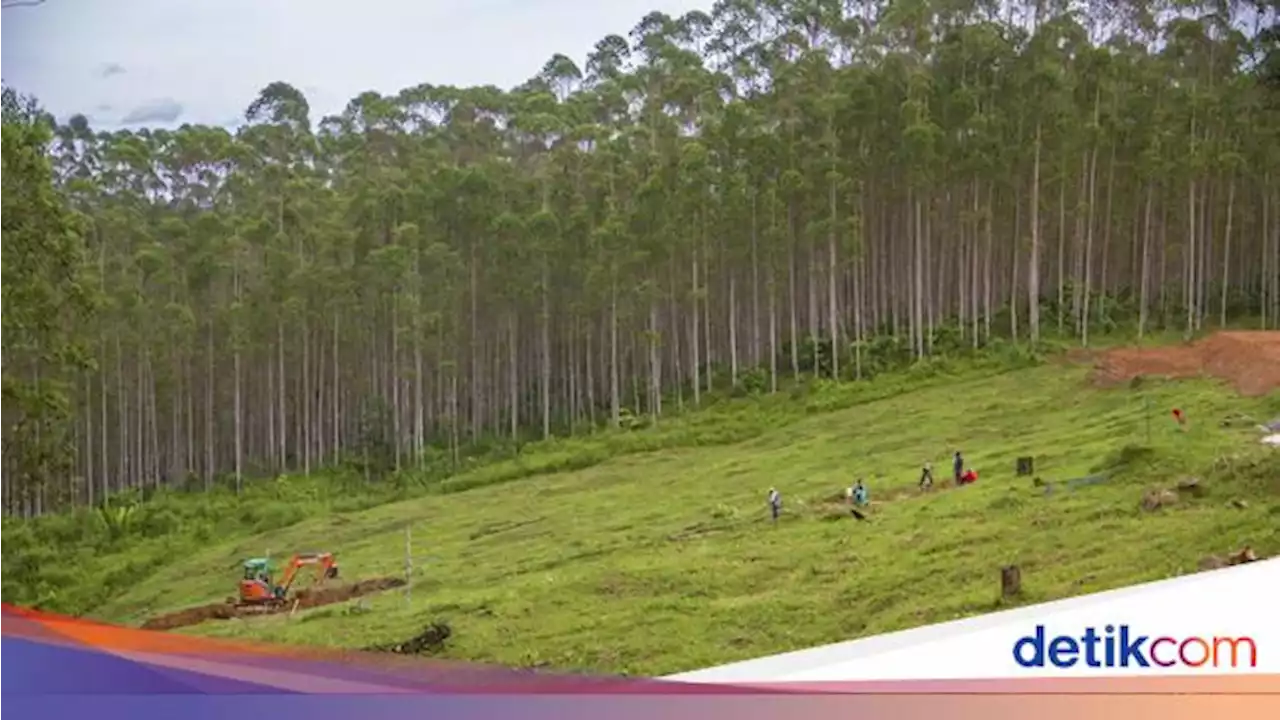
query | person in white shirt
[775, 503]
[926, 476]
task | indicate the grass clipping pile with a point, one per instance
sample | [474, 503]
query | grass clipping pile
[303, 599]
[1248, 360]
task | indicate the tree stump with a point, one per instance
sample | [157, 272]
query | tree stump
[1010, 581]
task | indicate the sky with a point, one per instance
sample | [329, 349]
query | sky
[169, 62]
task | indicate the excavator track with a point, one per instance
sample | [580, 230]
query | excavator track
[259, 608]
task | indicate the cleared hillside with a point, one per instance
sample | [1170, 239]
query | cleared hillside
[664, 561]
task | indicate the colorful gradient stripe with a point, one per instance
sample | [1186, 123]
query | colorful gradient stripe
[64, 667]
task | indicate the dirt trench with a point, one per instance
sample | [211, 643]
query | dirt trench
[1250, 361]
[305, 598]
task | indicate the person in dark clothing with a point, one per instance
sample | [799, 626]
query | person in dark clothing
[958, 467]
[775, 503]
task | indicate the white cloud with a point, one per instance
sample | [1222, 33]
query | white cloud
[211, 57]
[165, 111]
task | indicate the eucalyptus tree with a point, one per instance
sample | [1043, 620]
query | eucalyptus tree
[768, 189]
[44, 302]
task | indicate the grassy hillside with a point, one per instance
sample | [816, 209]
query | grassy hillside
[651, 552]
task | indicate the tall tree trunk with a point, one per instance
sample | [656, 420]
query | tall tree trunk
[987, 288]
[238, 413]
[104, 465]
[546, 348]
[1144, 283]
[756, 349]
[615, 399]
[693, 332]
[1033, 264]
[1013, 276]
[792, 297]
[337, 392]
[513, 377]
[306, 392]
[280, 387]
[917, 294]
[1226, 251]
[833, 275]
[733, 329]
[1189, 257]
[1103, 288]
[209, 456]
[655, 360]
[1082, 314]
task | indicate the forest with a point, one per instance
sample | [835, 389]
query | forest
[724, 201]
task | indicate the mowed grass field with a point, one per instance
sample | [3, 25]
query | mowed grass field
[667, 561]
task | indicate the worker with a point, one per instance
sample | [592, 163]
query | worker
[859, 493]
[775, 503]
[926, 476]
[968, 477]
[958, 467]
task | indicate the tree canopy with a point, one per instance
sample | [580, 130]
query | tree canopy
[774, 189]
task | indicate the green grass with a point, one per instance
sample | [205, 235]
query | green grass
[651, 552]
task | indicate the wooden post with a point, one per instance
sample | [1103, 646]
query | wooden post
[408, 565]
[1010, 581]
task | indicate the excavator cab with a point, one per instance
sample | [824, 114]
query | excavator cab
[256, 586]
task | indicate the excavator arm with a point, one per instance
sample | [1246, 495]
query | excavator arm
[324, 563]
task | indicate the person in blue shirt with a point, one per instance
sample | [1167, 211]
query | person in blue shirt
[858, 496]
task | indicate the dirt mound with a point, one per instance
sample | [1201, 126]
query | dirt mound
[191, 616]
[304, 598]
[314, 597]
[1248, 360]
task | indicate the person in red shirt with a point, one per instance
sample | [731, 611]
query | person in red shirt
[968, 477]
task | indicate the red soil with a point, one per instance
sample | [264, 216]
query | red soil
[1248, 360]
[306, 598]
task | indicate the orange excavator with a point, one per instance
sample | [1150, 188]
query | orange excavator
[256, 588]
